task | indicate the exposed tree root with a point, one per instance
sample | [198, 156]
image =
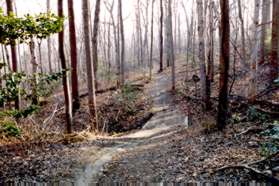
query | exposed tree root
[268, 178]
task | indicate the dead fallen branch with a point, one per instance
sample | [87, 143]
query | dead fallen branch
[102, 91]
[267, 112]
[253, 129]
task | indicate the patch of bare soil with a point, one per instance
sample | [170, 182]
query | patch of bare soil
[44, 153]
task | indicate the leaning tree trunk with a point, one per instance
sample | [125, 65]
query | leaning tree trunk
[66, 87]
[224, 64]
[90, 68]
[275, 42]
[201, 53]
[74, 60]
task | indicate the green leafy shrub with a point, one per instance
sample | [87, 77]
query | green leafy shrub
[127, 98]
[254, 115]
[236, 118]
[269, 148]
[20, 113]
[9, 128]
[272, 133]
[47, 82]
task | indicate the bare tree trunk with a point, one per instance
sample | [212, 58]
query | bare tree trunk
[161, 36]
[189, 36]
[74, 59]
[266, 6]
[224, 64]
[243, 47]
[122, 79]
[95, 40]
[170, 43]
[255, 55]
[179, 35]
[109, 48]
[151, 41]
[8, 58]
[9, 4]
[34, 72]
[19, 59]
[40, 56]
[275, 42]
[49, 44]
[201, 54]
[139, 34]
[210, 56]
[211, 42]
[116, 43]
[146, 30]
[90, 68]
[66, 87]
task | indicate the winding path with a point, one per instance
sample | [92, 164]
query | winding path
[166, 121]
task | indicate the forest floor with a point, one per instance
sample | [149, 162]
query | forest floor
[176, 144]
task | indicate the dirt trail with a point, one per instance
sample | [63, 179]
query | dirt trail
[166, 121]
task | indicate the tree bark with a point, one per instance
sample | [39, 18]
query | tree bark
[275, 42]
[66, 88]
[161, 39]
[151, 41]
[122, 36]
[34, 72]
[210, 56]
[266, 6]
[9, 4]
[224, 65]
[116, 43]
[49, 44]
[170, 41]
[255, 54]
[89, 65]
[74, 59]
[243, 46]
[201, 54]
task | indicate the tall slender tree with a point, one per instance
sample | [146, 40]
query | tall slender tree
[275, 42]
[95, 39]
[161, 39]
[49, 44]
[210, 55]
[243, 38]
[89, 65]
[151, 40]
[74, 59]
[224, 64]
[171, 44]
[66, 87]
[201, 54]
[266, 7]
[121, 24]
[10, 9]
[256, 52]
